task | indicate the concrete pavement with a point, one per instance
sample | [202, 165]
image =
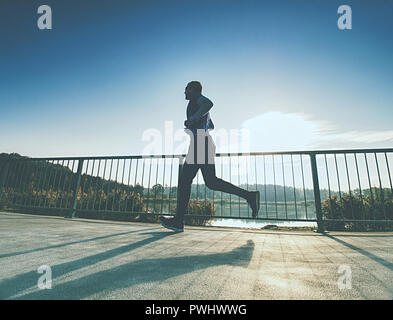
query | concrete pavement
[92, 259]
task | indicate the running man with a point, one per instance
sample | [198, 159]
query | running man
[201, 154]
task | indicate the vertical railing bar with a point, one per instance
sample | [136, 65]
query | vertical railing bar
[205, 194]
[122, 187]
[256, 178]
[27, 186]
[222, 201]
[155, 193]
[57, 171]
[170, 187]
[264, 179]
[16, 180]
[24, 184]
[369, 183]
[54, 171]
[63, 192]
[238, 177]
[275, 187]
[294, 186]
[9, 180]
[179, 177]
[59, 184]
[197, 176]
[134, 192]
[5, 179]
[113, 184]
[3, 171]
[317, 191]
[96, 186]
[34, 182]
[116, 185]
[163, 187]
[128, 185]
[91, 177]
[380, 186]
[43, 182]
[102, 187]
[109, 186]
[83, 185]
[339, 186]
[304, 187]
[285, 195]
[214, 207]
[360, 187]
[328, 181]
[230, 181]
[349, 185]
[56, 188]
[85, 179]
[390, 178]
[148, 186]
[20, 183]
[143, 176]
[247, 166]
[13, 179]
[3, 182]
[70, 185]
[64, 183]
[124, 167]
[77, 187]
[48, 184]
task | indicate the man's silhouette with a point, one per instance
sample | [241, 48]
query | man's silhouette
[201, 153]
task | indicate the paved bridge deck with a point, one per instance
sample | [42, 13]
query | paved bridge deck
[115, 260]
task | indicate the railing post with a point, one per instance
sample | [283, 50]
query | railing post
[76, 189]
[317, 193]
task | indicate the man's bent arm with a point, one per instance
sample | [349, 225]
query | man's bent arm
[204, 106]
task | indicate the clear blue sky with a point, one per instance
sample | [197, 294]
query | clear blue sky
[110, 71]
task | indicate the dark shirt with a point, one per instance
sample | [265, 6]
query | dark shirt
[198, 110]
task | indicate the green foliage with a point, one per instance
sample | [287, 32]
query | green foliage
[374, 204]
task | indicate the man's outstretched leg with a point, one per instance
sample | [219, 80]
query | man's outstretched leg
[215, 183]
[187, 175]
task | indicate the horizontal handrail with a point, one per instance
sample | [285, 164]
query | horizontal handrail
[221, 154]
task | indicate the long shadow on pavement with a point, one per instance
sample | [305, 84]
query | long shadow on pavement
[11, 254]
[143, 271]
[372, 256]
[12, 286]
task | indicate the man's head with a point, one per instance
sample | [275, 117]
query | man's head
[193, 90]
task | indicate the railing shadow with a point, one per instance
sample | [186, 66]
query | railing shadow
[19, 283]
[55, 246]
[370, 255]
[143, 271]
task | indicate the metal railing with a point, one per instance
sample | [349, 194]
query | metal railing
[319, 186]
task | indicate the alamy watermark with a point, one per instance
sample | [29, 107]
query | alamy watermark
[345, 279]
[344, 22]
[205, 143]
[45, 281]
